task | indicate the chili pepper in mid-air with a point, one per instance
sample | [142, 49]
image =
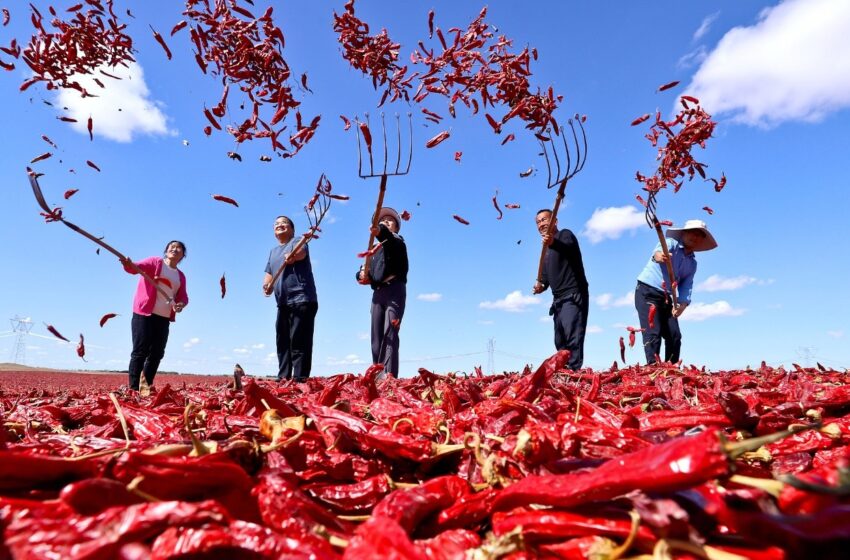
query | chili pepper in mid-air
[668, 85]
[107, 317]
[526, 173]
[367, 136]
[458, 155]
[718, 186]
[508, 138]
[405, 215]
[81, 348]
[49, 141]
[42, 157]
[6, 17]
[265, 158]
[346, 122]
[67, 119]
[180, 25]
[640, 199]
[709, 210]
[622, 350]
[92, 165]
[234, 156]
[640, 119]
[55, 333]
[651, 315]
[667, 223]
[461, 220]
[227, 199]
[223, 285]
[70, 192]
[89, 127]
[496, 206]
[430, 24]
[161, 42]
[437, 139]
[304, 82]
[370, 252]
[691, 99]
[511, 206]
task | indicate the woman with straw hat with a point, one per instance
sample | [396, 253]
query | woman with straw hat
[659, 319]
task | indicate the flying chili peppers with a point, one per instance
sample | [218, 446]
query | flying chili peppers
[107, 317]
[90, 40]
[438, 139]
[346, 122]
[226, 199]
[81, 348]
[223, 284]
[668, 85]
[405, 215]
[708, 209]
[496, 206]
[458, 155]
[70, 192]
[622, 350]
[55, 333]
[374, 55]
[92, 165]
[461, 220]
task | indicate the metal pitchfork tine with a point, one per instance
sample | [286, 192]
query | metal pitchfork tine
[316, 210]
[39, 197]
[385, 171]
[652, 221]
[561, 179]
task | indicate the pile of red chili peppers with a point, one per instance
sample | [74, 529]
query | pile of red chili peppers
[90, 41]
[246, 51]
[642, 462]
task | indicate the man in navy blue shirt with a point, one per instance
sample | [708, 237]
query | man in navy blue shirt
[297, 304]
[563, 271]
[653, 287]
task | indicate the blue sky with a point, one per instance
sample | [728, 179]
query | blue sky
[776, 75]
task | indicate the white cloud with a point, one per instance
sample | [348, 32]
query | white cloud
[693, 58]
[717, 283]
[241, 351]
[702, 311]
[514, 302]
[835, 334]
[191, 342]
[271, 357]
[259, 346]
[545, 319]
[611, 223]
[430, 297]
[363, 336]
[122, 109]
[607, 301]
[705, 26]
[793, 64]
[594, 329]
[351, 359]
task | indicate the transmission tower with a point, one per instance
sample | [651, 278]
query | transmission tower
[21, 326]
[807, 354]
[491, 350]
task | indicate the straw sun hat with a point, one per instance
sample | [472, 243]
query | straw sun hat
[706, 244]
[387, 211]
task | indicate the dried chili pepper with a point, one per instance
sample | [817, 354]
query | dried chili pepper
[69, 193]
[496, 206]
[55, 333]
[92, 165]
[346, 122]
[668, 85]
[223, 286]
[367, 136]
[41, 157]
[227, 199]
[651, 315]
[622, 350]
[437, 139]
[81, 348]
[526, 173]
[405, 215]
[107, 317]
[709, 210]
[461, 220]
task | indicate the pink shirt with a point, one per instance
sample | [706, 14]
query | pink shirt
[145, 298]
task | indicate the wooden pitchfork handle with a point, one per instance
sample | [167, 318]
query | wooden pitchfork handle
[668, 261]
[298, 246]
[36, 189]
[382, 190]
[551, 228]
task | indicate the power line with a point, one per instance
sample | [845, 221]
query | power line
[21, 326]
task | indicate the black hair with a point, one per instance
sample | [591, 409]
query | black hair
[543, 210]
[185, 253]
[289, 221]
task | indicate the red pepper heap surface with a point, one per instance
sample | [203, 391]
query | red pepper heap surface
[658, 461]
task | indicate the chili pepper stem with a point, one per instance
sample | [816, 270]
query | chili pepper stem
[440, 449]
[133, 488]
[627, 544]
[122, 419]
[400, 420]
[356, 518]
[772, 487]
[337, 541]
[198, 448]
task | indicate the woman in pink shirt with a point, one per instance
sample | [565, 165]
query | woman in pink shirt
[153, 312]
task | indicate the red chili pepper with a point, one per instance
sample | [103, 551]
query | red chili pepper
[92, 165]
[49, 141]
[89, 126]
[437, 139]
[512, 206]
[668, 85]
[227, 199]
[6, 17]
[70, 192]
[346, 122]
[631, 339]
[405, 215]
[55, 333]
[367, 136]
[526, 173]
[211, 118]
[161, 41]
[42, 157]
[81, 348]
[508, 138]
[107, 317]
[67, 119]
[461, 220]
[180, 25]
[223, 285]
[651, 317]
[709, 210]
[458, 155]
[497, 128]
[641, 119]
[622, 350]
[430, 24]
[691, 99]
[496, 206]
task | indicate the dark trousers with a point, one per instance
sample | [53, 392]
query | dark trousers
[570, 317]
[294, 327]
[150, 334]
[665, 326]
[387, 311]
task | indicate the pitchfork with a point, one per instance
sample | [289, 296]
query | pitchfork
[561, 177]
[53, 215]
[315, 210]
[652, 221]
[386, 171]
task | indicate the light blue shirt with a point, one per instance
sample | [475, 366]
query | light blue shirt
[684, 268]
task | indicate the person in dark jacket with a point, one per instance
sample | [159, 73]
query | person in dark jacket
[297, 304]
[387, 274]
[563, 272]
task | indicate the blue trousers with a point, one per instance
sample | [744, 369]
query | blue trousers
[570, 317]
[388, 304]
[665, 326]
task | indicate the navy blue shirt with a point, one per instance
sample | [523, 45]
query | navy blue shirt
[390, 261]
[563, 269]
[296, 284]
